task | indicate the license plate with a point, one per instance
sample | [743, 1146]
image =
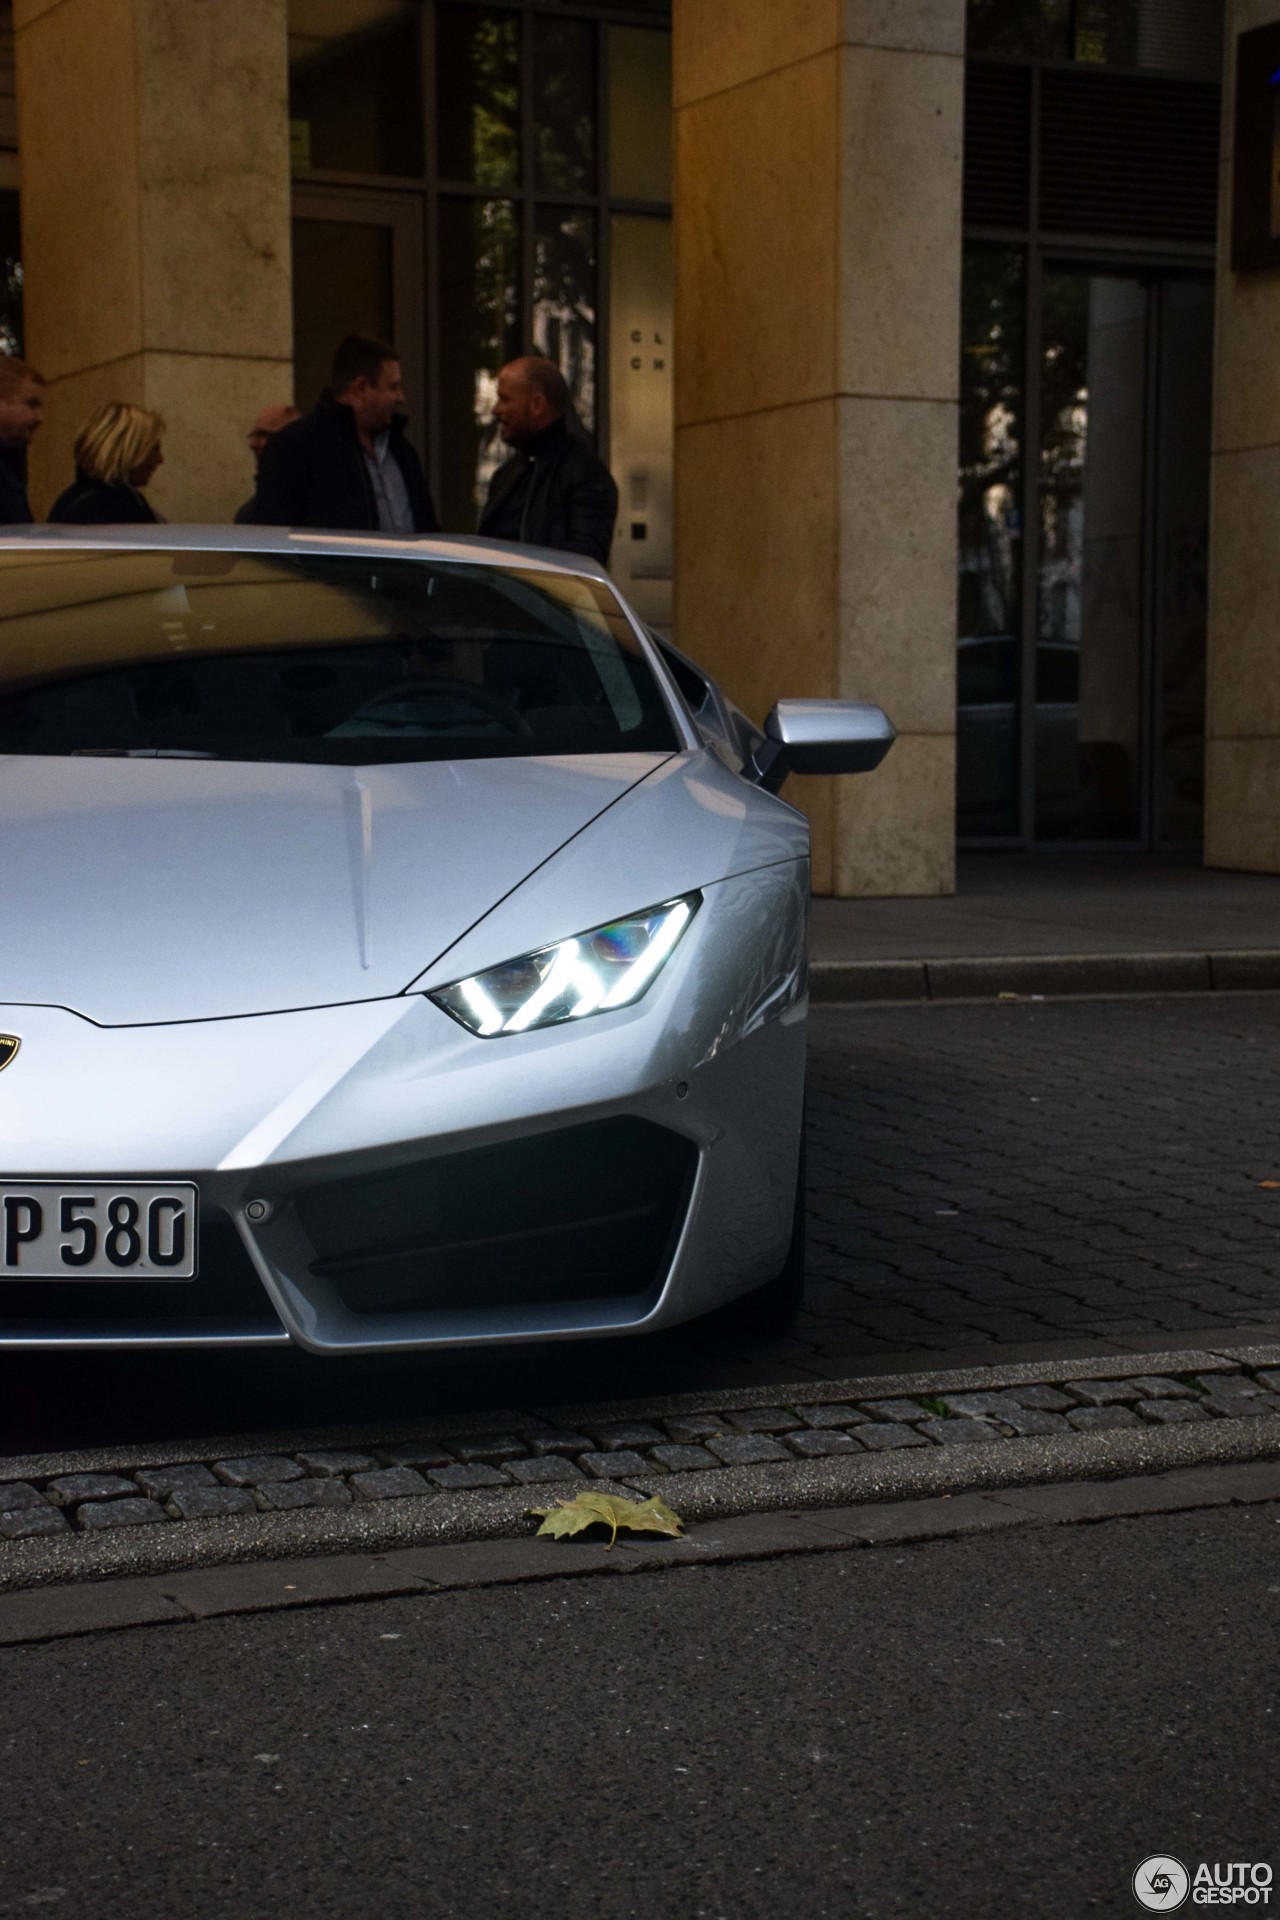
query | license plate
[97, 1230]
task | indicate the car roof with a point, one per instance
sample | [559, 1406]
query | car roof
[440, 548]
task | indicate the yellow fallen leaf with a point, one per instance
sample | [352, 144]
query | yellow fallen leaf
[612, 1510]
[1269, 1183]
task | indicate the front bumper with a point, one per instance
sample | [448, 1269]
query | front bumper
[373, 1177]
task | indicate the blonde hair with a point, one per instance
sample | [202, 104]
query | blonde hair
[115, 440]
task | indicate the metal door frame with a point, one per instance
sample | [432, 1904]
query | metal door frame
[402, 215]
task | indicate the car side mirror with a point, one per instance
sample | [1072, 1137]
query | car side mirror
[820, 736]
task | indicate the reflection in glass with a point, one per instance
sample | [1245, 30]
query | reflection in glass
[1037, 29]
[641, 294]
[342, 283]
[10, 275]
[639, 114]
[1182, 551]
[1089, 628]
[564, 301]
[564, 104]
[990, 540]
[478, 96]
[355, 87]
[479, 332]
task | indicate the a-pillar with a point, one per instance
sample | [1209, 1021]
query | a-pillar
[153, 138]
[1242, 752]
[818, 222]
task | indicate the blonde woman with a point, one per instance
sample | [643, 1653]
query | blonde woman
[116, 451]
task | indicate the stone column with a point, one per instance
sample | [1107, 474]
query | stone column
[1242, 719]
[818, 149]
[153, 137]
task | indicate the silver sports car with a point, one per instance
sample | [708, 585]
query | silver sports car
[399, 947]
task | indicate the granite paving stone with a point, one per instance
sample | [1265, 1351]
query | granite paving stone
[1230, 1386]
[207, 1503]
[1270, 1377]
[487, 1449]
[389, 1483]
[333, 1462]
[679, 1458]
[959, 1433]
[160, 1482]
[615, 1435]
[28, 1522]
[834, 1414]
[1154, 1386]
[19, 1494]
[416, 1453]
[459, 1476]
[745, 1449]
[1102, 1419]
[1102, 1393]
[880, 1435]
[818, 1441]
[764, 1420]
[1029, 1420]
[1171, 1413]
[893, 1410]
[257, 1470]
[1242, 1406]
[546, 1467]
[71, 1488]
[690, 1427]
[550, 1440]
[94, 1515]
[969, 1404]
[284, 1495]
[621, 1465]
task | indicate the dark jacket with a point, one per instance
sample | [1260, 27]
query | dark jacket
[15, 508]
[555, 493]
[313, 474]
[90, 502]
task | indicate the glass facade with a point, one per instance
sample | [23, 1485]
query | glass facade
[537, 136]
[1085, 396]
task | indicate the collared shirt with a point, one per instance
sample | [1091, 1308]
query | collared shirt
[395, 515]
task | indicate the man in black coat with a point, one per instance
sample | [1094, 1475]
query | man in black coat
[21, 417]
[347, 466]
[554, 491]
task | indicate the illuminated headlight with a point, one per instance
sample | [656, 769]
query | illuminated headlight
[592, 973]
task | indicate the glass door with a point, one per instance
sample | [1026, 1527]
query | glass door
[357, 268]
[1085, 409]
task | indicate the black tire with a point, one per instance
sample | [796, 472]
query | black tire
[774, 1305]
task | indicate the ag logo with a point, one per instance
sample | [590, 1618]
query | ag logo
[1161, 1883]
[9, 1044]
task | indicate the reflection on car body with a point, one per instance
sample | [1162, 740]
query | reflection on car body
[405, 949]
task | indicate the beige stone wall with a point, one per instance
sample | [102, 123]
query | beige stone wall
[1242, 764]
[153, 137]
[818, 151]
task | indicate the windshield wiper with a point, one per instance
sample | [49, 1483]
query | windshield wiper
[143, 753]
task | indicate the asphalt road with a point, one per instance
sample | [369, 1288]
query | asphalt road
[981, 1177]
[965, 1729]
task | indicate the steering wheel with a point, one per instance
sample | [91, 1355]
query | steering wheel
[465, 691]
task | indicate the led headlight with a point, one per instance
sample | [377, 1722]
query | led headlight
[594, 972]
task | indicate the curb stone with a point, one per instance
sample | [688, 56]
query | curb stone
[185, 1599]
[1051, 975]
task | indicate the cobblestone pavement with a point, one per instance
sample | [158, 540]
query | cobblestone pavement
[1030, 1173]
[40, 1500]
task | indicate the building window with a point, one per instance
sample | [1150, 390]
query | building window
[521, 153]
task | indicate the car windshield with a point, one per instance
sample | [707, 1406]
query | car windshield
[319, 658]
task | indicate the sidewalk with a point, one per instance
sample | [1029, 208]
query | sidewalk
[1055, 924]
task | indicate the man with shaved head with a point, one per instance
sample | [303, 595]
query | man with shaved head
[554, 491]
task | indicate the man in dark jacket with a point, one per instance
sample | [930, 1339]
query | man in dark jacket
[554, 491]
[347, 465]
[21, 417]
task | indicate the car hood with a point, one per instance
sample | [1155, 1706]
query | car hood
[140, 891]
